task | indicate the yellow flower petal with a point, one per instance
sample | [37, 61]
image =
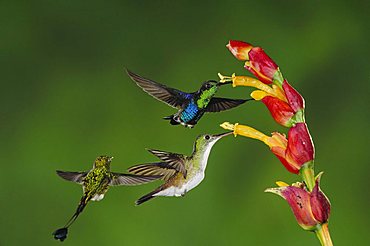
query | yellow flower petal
[258, 95]
[277, 140]
[279, 93]
[281, 183]
[229, 126]
[274, 91]
[252, 82]
[250, 132]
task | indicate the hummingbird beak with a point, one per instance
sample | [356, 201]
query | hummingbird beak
[221, 135]
[224, 83]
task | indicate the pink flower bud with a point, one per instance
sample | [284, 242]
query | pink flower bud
[299, 201]
[309, 209]
[295, 99]
[320, 204]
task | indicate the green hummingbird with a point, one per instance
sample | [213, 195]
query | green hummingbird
[191, 106]
[181, 173]
[95, 183]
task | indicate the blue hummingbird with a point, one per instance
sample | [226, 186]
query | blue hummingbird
[191, 106]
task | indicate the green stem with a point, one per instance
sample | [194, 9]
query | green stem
[323, 235]
[308, 175]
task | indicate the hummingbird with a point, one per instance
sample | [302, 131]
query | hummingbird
[181, 173]
[95, 183]
[191, 106]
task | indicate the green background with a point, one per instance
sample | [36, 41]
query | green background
[66, 99]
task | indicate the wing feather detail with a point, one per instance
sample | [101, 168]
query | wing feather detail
[76, 177]
[218, 104]
[176, 161]
[173, 97]
[154, 169]
[131, 179]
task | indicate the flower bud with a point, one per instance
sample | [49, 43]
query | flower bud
[239, 49]
[309, 209]
[262, 66]
[320, 203]
[280, 110]
[295, 99]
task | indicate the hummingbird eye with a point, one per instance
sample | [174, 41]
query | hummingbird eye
[207, 137]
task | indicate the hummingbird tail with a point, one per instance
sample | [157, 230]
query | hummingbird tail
[79, 209]
[81, 206]
[147, 197]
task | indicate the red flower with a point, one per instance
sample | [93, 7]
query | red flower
[285, 104]
[293, 152]
[261, 65]
[289, 108]
[295, 99]
[310, 209]
[286, 110]
[257, 61]
[280, 110]
[299, 148]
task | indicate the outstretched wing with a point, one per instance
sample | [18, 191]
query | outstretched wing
[174, 98]
[131, 179]
[218, 104]
[76, 177]
[154, 169]
[176, 161]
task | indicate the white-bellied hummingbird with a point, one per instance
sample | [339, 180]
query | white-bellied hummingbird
[181, 173]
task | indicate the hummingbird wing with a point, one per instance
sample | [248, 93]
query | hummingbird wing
[173, 97]
[218, 104]
[130, 179]
[76, 177]
[177, 161]
[154, 169]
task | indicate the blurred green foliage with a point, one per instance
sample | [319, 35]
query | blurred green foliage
[66, 99]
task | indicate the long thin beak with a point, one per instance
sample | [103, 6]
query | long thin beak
[224, 83]
[221, 135]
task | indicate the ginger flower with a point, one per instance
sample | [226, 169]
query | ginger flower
[311, 209]
[257, 61]
[293, 152]
[285, 104]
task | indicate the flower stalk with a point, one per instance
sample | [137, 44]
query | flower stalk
[308, 175]
[322, 233]
[296, 152]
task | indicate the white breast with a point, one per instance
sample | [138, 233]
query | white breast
[190, 183]
[186, 187]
